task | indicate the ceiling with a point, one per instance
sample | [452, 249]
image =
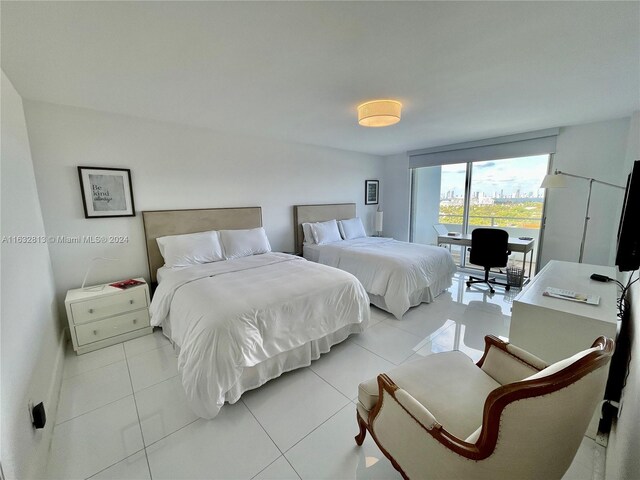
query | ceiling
[296, 71]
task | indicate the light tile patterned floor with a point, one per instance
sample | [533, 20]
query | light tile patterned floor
[123, 413]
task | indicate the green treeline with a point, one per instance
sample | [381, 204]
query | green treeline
[517, 215]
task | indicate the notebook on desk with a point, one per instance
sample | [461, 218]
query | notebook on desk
[571, 296]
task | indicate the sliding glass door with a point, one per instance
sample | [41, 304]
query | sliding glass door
[496, 193]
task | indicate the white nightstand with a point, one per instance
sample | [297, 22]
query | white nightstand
[102, 317]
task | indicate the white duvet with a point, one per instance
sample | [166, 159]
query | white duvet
[403, 274]
[230, 315]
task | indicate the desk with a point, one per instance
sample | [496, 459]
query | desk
[553, 328]
[515, 245]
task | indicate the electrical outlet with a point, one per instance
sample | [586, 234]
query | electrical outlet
[602, 439]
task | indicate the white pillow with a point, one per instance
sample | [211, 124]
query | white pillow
[308, 234]
[243, 243]
[326, 232]
[352, 228]
[190, 249]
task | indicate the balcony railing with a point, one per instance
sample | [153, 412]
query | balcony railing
[493, 221]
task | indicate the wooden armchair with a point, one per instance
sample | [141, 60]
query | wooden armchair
[508, 416]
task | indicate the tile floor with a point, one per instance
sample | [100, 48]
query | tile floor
[123, 415]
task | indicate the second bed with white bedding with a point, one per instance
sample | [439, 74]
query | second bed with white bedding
[396, 275]
[239, 323]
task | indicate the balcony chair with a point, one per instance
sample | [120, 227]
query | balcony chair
[489, 248]
[510, 416]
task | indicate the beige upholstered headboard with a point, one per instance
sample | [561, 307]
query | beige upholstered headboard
[319, 213]
[159, 223]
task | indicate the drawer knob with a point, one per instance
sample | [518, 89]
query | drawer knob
[91, 310]
[95, 332]
[131, 302]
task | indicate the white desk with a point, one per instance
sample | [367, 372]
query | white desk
[515, 245]
[553, 328]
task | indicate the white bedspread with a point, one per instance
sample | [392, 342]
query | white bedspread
[403, 273]
[233, 314]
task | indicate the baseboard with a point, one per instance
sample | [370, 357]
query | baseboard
[56, 379]
[53, 396]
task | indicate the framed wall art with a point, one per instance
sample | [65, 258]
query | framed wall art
[371, 191]
[106, 192]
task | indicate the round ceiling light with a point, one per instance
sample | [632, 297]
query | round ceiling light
[379, 113]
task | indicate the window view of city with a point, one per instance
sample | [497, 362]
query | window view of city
[504, 193]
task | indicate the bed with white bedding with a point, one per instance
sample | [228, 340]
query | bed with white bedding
[396, 275]
[240, 322]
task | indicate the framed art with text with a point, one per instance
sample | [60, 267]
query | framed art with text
[106, 192]
[371, 188]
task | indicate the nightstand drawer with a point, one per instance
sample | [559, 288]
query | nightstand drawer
[110, 327]
[107, 306]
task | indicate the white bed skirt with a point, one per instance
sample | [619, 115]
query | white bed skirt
[402, 274]
[254, 377]
[425, 295]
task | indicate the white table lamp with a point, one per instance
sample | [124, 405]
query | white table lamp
[378, 222]
[86, 275]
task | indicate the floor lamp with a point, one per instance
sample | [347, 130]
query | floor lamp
[557, 181]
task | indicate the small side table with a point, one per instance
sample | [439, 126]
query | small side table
[103, 315]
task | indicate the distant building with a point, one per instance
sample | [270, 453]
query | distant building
[501, 201]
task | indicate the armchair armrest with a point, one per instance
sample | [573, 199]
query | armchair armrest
[507, 363]
[416, 409]
[395, 403]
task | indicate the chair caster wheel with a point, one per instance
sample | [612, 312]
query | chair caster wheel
[492, 290]
[468, 284]
[507, 288]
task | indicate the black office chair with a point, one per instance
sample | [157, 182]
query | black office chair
[489, 248]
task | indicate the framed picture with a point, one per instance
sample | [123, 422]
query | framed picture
[371, 188]
[106, 192]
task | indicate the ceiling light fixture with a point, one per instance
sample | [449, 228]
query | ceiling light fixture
[379, 113]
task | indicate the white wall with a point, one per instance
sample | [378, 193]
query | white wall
[396, 193]
[427, 204]
[595, 150]
[31, 351]
[175, 166]
[624, 441]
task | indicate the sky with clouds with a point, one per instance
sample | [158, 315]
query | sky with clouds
[508, 175]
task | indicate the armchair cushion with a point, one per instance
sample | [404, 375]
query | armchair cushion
[449, 384]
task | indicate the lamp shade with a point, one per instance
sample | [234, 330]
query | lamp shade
[554, 181]
[378, 222]
[379, 113]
